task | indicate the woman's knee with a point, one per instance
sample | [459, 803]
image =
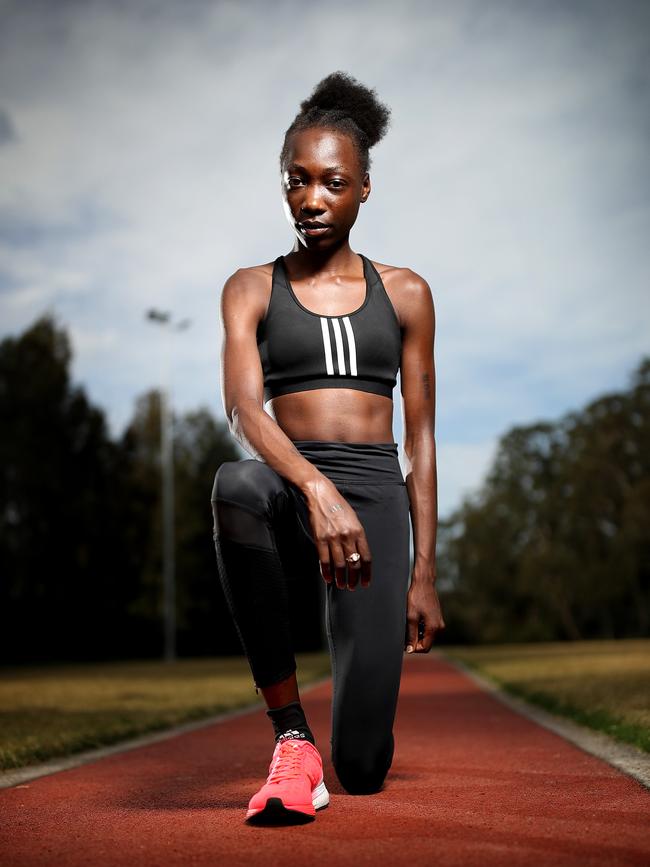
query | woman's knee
[360, 778]
[250, 484]
[243, 497]
[362, 772]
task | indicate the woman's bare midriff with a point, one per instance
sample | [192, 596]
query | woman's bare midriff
[334, 414]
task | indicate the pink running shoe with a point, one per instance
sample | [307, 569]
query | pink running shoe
[295, 787]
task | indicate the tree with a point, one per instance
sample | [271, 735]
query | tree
[80, 519]
[60, 504]
[555, 544]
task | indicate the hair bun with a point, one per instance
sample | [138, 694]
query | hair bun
[342, 103]
[342, 93]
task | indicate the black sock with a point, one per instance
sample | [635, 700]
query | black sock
[289, 722]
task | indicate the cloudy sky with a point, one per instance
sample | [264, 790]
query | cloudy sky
[138, 168]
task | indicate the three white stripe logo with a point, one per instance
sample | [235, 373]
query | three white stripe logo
[340, 350]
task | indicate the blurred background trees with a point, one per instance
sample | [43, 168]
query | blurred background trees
[556, 543]
[553, 545]
[80, 517]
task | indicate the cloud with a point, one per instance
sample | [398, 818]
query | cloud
[7, 130]
[461, 467]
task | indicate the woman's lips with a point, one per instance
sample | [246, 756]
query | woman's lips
[314, 231]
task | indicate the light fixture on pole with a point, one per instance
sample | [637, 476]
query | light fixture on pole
[161, 317]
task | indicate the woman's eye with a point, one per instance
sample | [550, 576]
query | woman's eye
[295, 182]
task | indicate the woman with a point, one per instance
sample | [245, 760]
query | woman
[320, 334]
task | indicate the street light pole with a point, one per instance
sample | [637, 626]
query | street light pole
[168, 534]
[167, 479]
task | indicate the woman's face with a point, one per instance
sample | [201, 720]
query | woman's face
[322, 183]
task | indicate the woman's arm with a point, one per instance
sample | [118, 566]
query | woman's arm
[336, 532]
[418, 385]
[243, 302]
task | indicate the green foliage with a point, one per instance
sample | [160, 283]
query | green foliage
[60, 489]
[80, 516]
[555, 545]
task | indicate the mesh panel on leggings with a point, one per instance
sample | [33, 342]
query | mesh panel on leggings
[255, 587]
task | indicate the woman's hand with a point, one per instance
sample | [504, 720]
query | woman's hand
[337, 533]
[423, 614]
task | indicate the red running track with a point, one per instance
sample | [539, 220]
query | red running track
[473, 783]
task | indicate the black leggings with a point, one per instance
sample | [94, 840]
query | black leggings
[264, 541]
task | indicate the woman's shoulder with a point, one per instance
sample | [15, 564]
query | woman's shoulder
[399, 275]
[249, 285]
[250, 280]
[407, 290]
[252, 274]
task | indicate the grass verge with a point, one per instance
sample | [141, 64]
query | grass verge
[58, 710]
[604, 685]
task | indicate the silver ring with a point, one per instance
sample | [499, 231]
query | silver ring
[353, 557]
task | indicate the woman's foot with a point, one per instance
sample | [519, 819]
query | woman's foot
[295, 787]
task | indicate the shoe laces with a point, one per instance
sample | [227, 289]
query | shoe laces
[288, 762]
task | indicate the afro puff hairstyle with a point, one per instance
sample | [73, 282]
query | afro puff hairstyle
[342, 103]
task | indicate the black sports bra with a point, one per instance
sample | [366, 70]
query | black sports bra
[301, 350]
